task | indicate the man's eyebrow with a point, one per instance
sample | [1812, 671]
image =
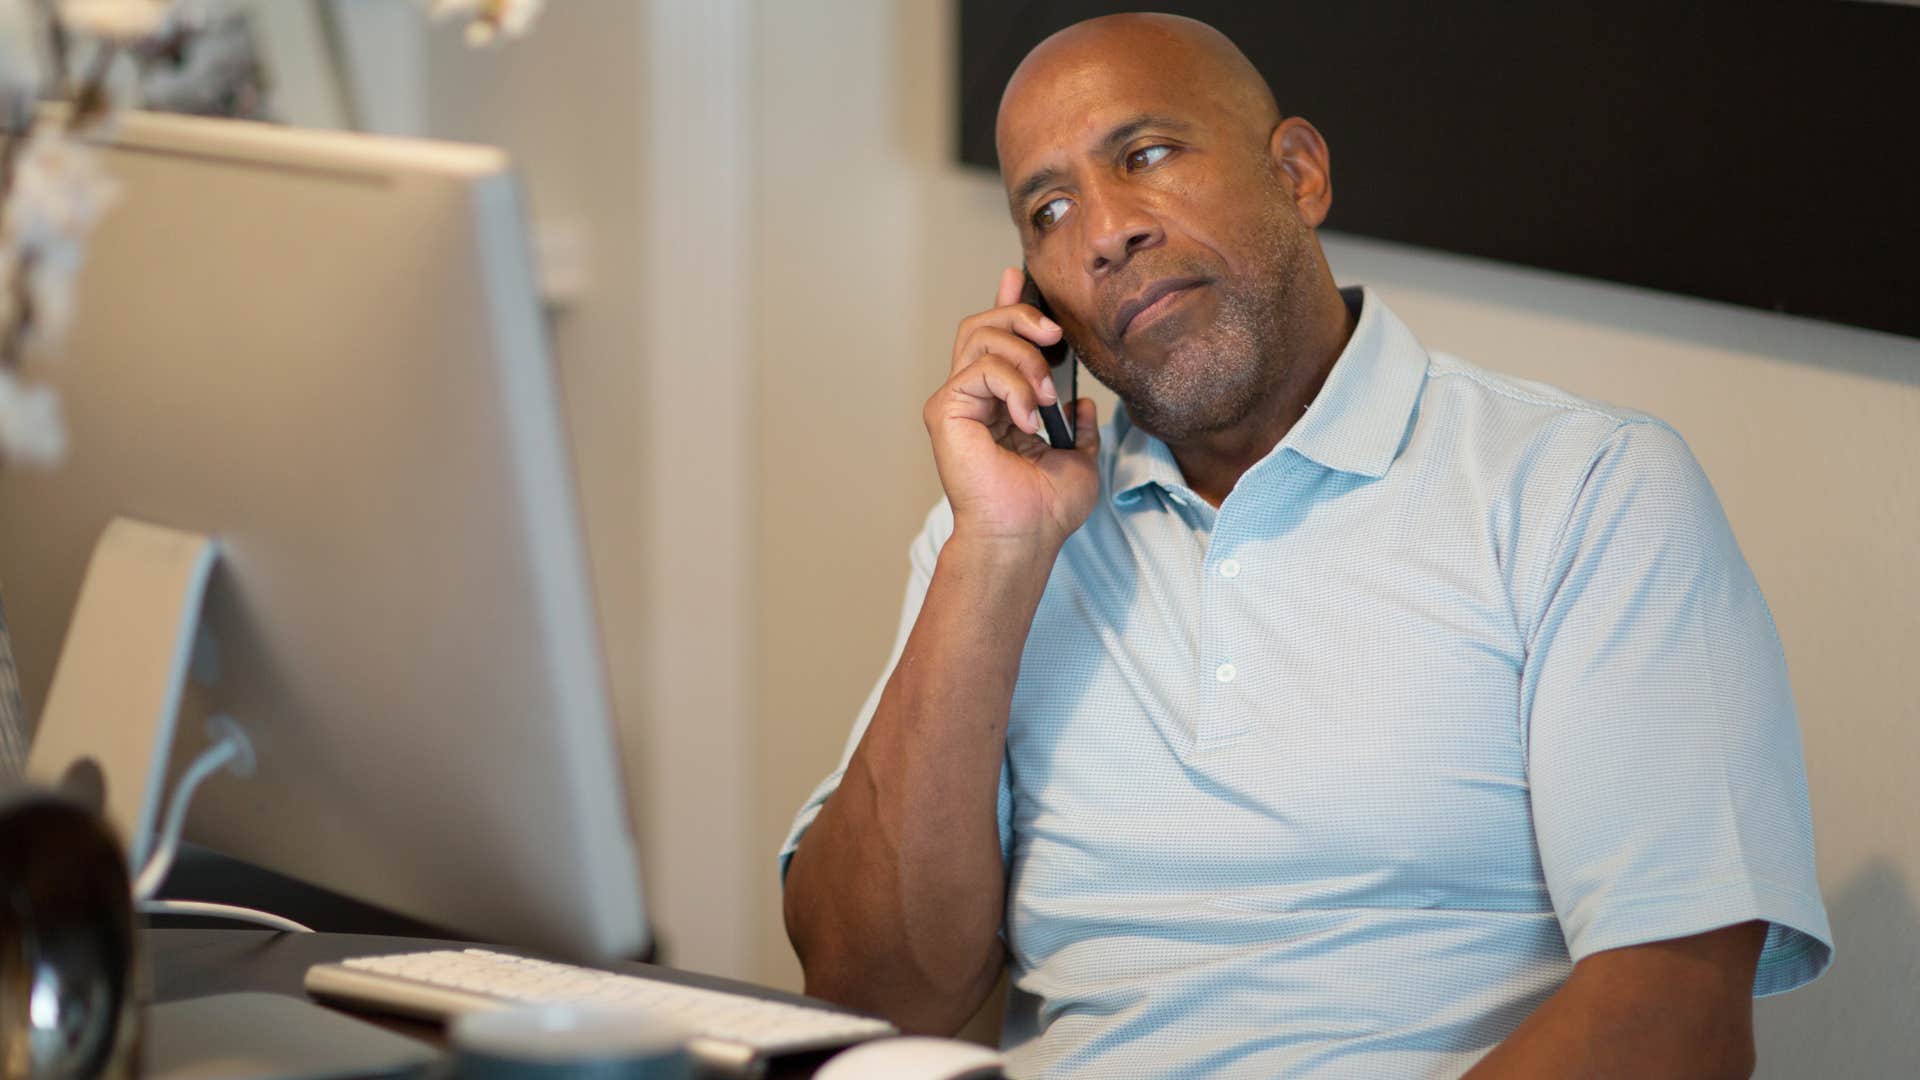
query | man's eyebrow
[1031, 186]
[1119, 134]
[1129, 128]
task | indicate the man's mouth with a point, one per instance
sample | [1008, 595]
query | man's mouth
[1150, 303]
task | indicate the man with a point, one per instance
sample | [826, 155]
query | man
[1341, 709]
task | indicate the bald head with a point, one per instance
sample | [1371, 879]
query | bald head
[1166, 212]
[1171, 51]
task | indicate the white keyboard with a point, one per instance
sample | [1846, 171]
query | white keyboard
[731, 1033]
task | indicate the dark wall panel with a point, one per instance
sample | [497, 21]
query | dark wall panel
[1763, 152]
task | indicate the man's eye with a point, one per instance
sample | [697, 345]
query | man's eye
[1050, 213]
[1147, 155]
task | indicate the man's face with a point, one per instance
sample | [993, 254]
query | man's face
[1156, 222]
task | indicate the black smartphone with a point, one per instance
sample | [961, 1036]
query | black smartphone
[1065, 368]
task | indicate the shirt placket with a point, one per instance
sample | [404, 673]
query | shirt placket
[1215, 715]
[1231, 655]
[1224, 657]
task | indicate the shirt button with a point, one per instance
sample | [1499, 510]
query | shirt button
[1225, 672]
[1229, 568]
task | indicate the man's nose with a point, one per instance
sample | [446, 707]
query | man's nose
[1117, 225]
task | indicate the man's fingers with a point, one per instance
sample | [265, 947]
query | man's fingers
[1022, 319]
[983, 389]
[1012, 280]
[1086, 426]
[997, 371]
[1007, 345]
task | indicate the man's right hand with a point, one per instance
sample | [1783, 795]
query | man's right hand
[1005, 484]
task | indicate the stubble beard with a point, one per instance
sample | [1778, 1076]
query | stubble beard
[1214, 379]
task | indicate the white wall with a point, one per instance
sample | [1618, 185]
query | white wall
[656, 337]
[873, 246]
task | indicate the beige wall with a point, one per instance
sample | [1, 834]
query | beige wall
[631, 127]
[873, 246]
[578, 162]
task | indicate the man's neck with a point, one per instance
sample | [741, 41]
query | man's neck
[1213, 463]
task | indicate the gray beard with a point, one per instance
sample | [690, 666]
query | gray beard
[1215, 379]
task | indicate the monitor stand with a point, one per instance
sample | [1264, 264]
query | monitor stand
[106, 734]
[106, 730]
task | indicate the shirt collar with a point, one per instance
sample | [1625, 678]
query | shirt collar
[1139, 461]
[1356, 423]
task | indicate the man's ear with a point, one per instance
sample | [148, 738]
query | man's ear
[1299, 151]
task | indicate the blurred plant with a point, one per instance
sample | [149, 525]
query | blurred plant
[53, 189]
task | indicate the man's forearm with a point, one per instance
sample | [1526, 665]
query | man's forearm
[894, 897]
[1679, 1008]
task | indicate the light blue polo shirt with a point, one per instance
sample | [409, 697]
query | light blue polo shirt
[1463, 682]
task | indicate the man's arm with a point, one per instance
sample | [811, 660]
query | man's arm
[1663, 762]
[894, 897]
[895, 893]
[1680, 1008]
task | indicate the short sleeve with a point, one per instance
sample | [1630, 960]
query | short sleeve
[1669, 793]
[922, 556]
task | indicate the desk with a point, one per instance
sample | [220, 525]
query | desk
[193, 963]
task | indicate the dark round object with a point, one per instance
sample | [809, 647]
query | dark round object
[67, 948]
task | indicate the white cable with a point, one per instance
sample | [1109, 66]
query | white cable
[231, 749]
[220, 911]
[230, 746]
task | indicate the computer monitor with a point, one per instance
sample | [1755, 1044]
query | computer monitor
[325, 350]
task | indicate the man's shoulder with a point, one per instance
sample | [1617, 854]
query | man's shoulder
[1452, 375]
[1531, 423]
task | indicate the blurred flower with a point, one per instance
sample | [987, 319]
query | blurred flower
[50, 282]
[119, 20]
[59, 190]
[488, 20]
[31, 431]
